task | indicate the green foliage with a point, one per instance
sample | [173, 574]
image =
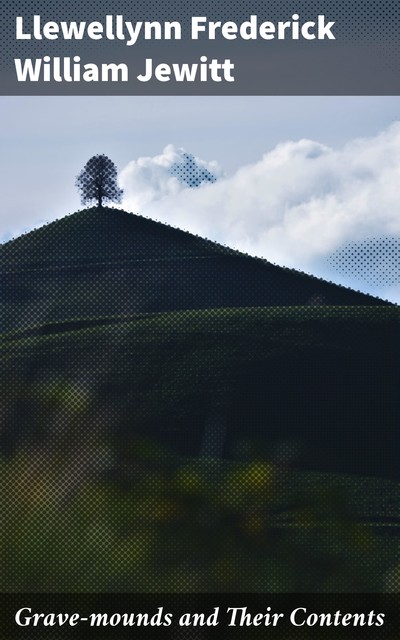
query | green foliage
[97, 182]
[82, 514]
[164, 524]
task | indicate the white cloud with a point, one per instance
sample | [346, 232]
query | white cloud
[295, 206]
[150, 180]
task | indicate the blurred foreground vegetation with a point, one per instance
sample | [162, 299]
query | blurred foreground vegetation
[87, 506]
[156, 522]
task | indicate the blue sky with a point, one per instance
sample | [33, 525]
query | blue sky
[295, 182]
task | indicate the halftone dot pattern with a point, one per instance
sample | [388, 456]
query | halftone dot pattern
[97, 182]
[373, 260]
[142, 369]
[190, 172]
[373, 23]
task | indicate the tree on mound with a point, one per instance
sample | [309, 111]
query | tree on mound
[97, 182]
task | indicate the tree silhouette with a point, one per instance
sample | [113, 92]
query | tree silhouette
[97, 182]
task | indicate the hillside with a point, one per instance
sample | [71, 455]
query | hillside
[177, 415]
[107, 262]
[164, 329]
[306, 388]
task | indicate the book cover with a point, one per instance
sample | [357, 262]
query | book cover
[200, 327]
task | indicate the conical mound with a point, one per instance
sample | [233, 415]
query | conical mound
[107, 262]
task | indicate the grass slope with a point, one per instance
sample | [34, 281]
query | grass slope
[108, 262]
[164, 368]
[115, 325]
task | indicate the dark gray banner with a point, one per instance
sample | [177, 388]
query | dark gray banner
[200, 48]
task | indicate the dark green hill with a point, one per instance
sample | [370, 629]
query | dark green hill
[168, 334]
[128, 349]
[321, 382]
[107, 262]
[94, 235]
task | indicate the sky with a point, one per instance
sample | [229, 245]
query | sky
[307, 182]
